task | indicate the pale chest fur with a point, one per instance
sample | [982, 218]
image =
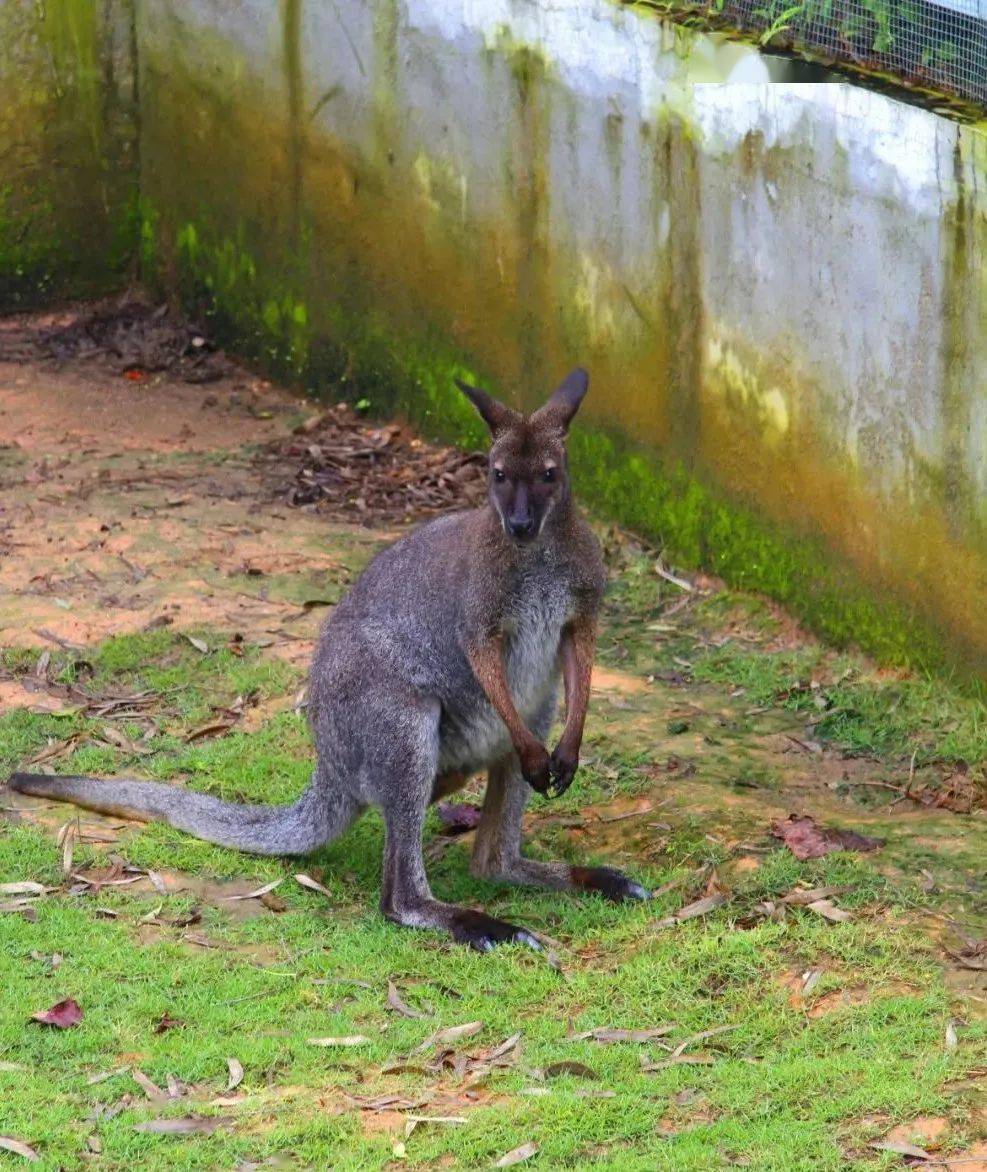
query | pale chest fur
[532, 625]
[532, 630]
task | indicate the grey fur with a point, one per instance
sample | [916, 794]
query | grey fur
[398, 715]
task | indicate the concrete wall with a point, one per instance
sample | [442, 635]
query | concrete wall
[68, 149]
[779, 289]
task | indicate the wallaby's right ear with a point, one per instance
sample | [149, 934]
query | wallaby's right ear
[494, 414]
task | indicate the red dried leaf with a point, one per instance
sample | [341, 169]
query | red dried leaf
[167, 1022]
[458, 817]
[62, 1016]
[806, 840]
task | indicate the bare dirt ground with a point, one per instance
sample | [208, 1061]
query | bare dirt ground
[130, 504]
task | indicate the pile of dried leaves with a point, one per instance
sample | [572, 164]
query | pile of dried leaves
[353, 469]
[127, 336]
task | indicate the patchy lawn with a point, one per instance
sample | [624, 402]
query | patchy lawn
[159, 602]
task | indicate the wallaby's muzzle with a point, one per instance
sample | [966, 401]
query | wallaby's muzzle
[519, 517]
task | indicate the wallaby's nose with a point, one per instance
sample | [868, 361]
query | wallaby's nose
[521, 526]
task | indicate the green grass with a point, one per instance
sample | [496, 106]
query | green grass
[784, 1090]
[859, 712]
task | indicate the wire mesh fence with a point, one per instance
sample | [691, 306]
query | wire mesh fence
[940, 45]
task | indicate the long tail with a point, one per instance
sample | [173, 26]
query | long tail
[295, 829]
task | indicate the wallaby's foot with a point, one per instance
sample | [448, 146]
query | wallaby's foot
[606, 881]
[609, 882]
[484, 933]
[464, 925]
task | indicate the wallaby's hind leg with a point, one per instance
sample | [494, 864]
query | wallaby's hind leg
[406, 896]
[497, 852]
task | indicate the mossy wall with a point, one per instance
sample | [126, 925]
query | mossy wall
[68, 149]
[780, 290]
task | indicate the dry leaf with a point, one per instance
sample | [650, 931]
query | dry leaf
[312, 884]
[679, 1060]
[213, 729]
[187, 1125]
[261, 891]
[346, 1040]
[236, 1074]
[605, 1034]
[806, 840]
[199, 644]
[801, 897]
[412, 1121]
[700, 907]
[504, 1047]
[62, 1016]
[701, 1037]
[395, 1002]
[9, 1144]
[151, 1089]
[458, 817]
[517, 1156]
[451, 1034]
[27, 887]
[829, 911]
[103, 1075]
[66, 840]
[903, 1149]
[575, 1069]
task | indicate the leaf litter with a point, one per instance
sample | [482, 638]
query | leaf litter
[61, 1016]
[395, 1002]
[807, 840]
[18, 1148]
[354, 469]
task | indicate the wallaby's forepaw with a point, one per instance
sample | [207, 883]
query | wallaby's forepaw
[536, 767]
[562, 767]
[484, 933]
[609, 882]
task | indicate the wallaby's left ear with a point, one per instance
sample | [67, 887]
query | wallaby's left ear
[494, 414]
[564, 403]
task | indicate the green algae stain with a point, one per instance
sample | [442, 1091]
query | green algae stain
[395, 287]
[68, 160]
[413, 375]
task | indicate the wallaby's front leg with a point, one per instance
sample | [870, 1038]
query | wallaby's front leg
[576, 651]
[497, 852]
[487, 661]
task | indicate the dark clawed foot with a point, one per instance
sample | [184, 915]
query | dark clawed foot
[609, 882]
[563, 769]
[484, 933]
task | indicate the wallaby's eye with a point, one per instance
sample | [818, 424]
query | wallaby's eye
[548, 475]
[499, 475]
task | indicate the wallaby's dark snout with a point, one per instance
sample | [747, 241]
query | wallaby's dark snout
[520, 522]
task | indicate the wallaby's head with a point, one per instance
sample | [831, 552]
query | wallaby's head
[528, 475]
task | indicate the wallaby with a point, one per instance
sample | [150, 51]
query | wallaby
[444, 658]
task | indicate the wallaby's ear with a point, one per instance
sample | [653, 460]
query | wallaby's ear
[494, 414]
[564, 403]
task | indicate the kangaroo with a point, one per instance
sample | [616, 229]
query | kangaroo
[444, 658]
